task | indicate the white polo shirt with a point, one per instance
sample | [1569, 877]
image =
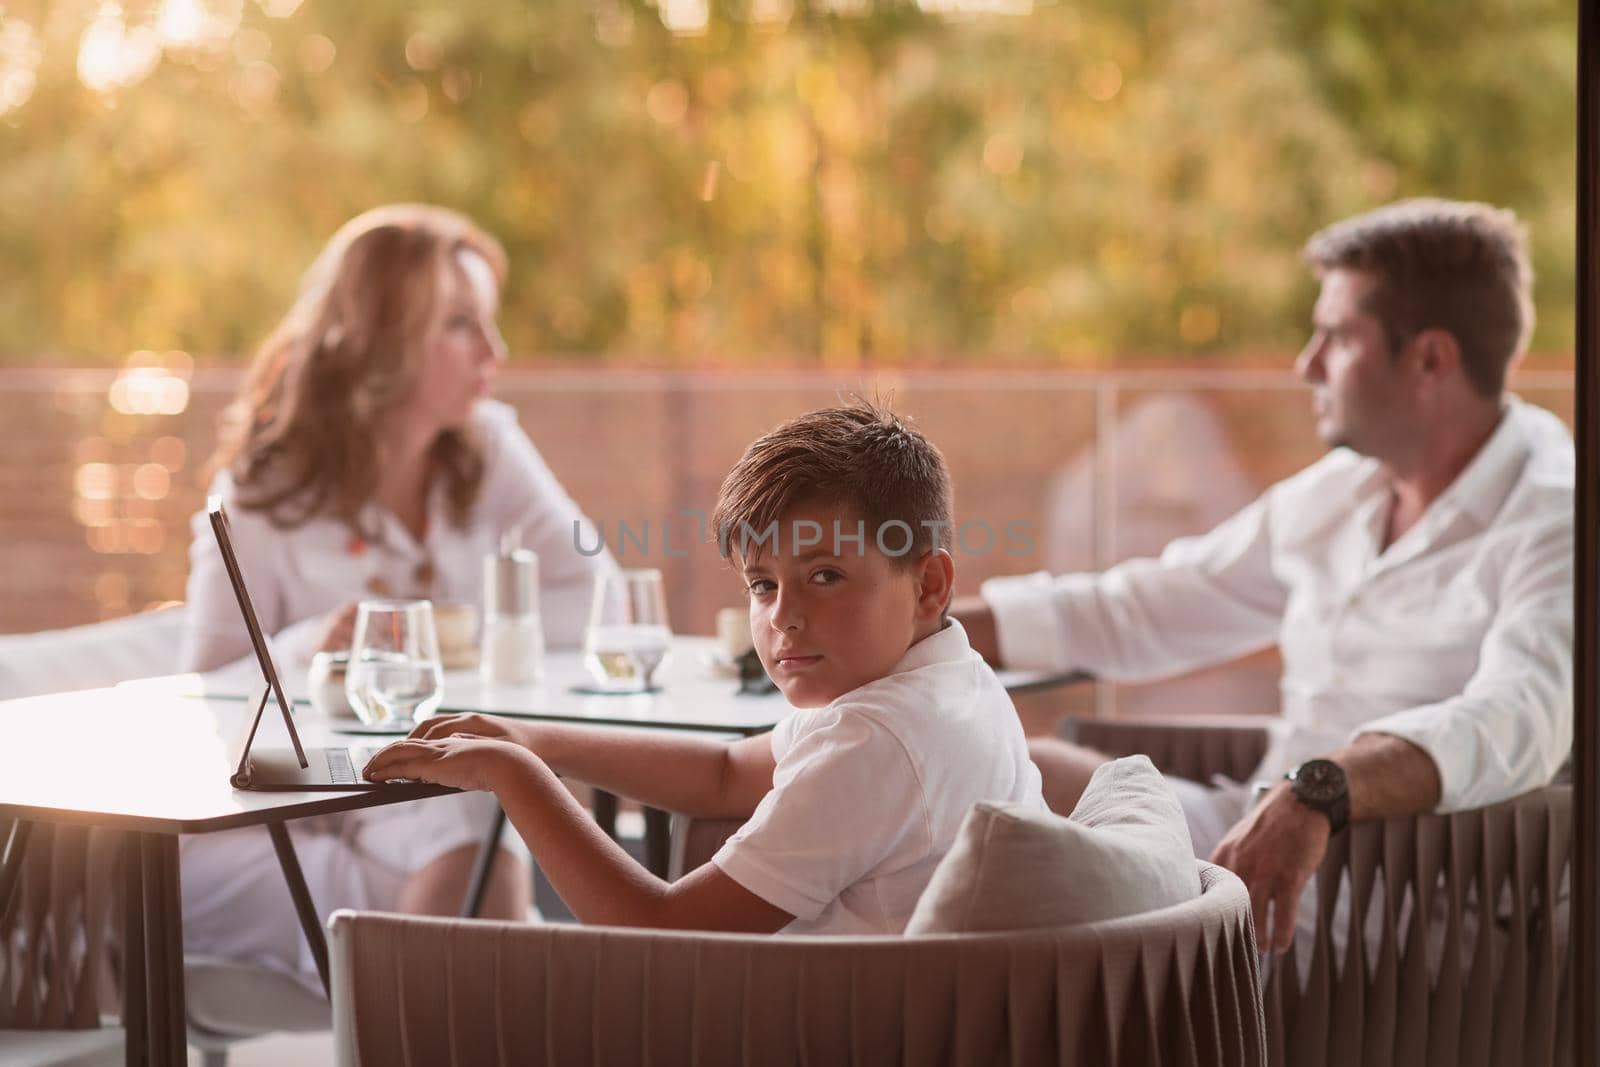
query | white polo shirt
[1456, 637]
[870, 790]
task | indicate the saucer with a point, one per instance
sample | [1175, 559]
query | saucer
[384, 729]
[596, 691]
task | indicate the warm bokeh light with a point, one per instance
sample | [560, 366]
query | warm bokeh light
[93, 511]
[685, 16]
[424, 51]
[317, 54]
[113, 55]
[96, 481]
[208, 24]
[20, 53]
[976, 7]
[152, 384]
[151, 481]
[667, 102]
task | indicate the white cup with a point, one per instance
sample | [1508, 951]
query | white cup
[733, 632]
[325, 684]
[457, 627]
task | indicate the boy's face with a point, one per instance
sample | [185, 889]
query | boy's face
[825, 623]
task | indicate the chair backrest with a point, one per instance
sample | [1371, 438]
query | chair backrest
[1408, 971]
[87, 657]
[1194, 746]
[59, 930]
[1455, 946]
[1177, 986]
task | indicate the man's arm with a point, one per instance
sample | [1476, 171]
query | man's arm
[699, 776]
[593, 875]
[1206, 600]
[1279, 844]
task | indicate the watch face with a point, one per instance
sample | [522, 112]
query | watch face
[1319, 781]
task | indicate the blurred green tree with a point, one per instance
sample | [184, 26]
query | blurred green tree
[829, 183]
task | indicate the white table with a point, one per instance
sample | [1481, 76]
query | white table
[144, 760]
[689, 696]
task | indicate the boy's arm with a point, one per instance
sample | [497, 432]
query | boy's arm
[593, 875]
[698, 776]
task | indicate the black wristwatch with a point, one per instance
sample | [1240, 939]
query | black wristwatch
[1320, 785]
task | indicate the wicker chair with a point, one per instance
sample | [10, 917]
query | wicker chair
[58, 933]
[1420, 979]
[1175, 986]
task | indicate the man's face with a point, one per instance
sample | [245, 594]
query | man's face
[826, 623]
[1359, 394]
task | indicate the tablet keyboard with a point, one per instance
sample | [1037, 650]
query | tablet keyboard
[339, 767]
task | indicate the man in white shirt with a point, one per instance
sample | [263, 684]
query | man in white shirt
[1417, 580]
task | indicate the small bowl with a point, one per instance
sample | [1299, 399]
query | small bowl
[325, 685]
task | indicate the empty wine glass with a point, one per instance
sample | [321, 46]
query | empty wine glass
[628, 636]
[394, 672]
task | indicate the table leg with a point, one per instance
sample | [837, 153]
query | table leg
[657, 841]
[135, 1001]
[152, 980]
[657, 831]
[479, 885]
[605, 812]
[309, 923]
[11, 865]
[163, 902]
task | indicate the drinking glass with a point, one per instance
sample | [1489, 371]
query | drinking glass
[394, 672]
[628, 635]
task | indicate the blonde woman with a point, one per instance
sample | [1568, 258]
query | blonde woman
[363, 458]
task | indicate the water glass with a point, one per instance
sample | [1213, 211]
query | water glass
[628, 636]
[394, 674]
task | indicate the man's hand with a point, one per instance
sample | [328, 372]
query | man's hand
[1275, 849]
[473, 724]
[463, 762]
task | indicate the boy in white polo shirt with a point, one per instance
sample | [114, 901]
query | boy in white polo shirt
[840, 522]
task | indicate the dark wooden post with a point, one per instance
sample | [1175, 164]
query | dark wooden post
[1586, 639]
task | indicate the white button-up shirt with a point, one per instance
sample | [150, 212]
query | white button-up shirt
[296, 577]
[1457, 637]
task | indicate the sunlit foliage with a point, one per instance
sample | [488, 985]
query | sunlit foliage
[846, 183]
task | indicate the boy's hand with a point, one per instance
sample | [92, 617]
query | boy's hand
[460, 761]
[472, 724]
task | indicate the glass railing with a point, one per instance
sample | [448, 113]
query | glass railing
[1057, 470]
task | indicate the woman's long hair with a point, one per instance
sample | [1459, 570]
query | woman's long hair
[301, 438]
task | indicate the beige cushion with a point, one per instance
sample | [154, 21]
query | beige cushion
[1124, 850]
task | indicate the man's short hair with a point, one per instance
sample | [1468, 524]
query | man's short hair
[1445, 264]
[861, 458]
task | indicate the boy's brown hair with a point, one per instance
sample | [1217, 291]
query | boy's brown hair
[1462, 267]
[860, 457]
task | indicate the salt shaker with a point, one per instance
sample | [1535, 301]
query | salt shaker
[513, 636]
